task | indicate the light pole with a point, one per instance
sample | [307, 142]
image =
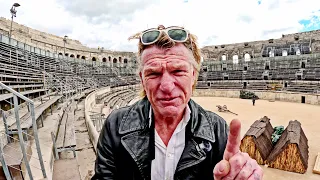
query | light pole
[64, 44]
[13, 12]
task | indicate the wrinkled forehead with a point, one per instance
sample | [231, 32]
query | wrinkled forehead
[178, 52]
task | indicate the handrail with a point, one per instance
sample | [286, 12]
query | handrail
[16, 93]
[35, 130]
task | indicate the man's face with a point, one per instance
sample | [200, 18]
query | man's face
[167, 77]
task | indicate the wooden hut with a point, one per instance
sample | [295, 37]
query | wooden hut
[291, 151]
[257, 141]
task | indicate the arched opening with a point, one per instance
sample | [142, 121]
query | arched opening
[224, 57]
[284, 53]
[125, 61]
[60, 54]
[83, 57]
[247, 57]
[66, 54]
[104, 59]
[78, 56]
[72, 56]
[267, 66]
[114, 60]
[109, 59]
[94, 59]
[271, 53]
[120, 60]
[235, 59]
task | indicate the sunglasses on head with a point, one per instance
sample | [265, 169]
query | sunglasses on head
[175, 33]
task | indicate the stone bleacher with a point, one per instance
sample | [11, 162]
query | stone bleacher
[47, 79]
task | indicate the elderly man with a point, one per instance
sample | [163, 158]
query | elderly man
[166, 135]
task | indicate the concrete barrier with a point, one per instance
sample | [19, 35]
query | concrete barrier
[90, 101]
[93, 133]
[285, 96]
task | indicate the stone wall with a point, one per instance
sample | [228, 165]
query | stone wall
[313, 99]
[55, 44]
[254, 48]
[74, 48]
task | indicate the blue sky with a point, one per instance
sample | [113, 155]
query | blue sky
[109, 23]
[310, 24]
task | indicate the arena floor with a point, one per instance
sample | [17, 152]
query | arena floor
[280, 113]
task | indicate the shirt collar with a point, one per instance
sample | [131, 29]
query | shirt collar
[185, 118]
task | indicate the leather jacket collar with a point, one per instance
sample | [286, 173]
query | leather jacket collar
[137, 119]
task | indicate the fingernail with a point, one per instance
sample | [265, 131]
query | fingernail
[222, 167]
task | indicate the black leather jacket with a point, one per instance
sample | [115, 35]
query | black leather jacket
[126, 144]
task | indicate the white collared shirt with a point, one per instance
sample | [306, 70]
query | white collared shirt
[166, 159]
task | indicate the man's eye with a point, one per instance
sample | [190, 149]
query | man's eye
[178, 71]
[153, 74]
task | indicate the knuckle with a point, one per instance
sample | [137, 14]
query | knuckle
[244, 174]
[254, 163]
[246, 155]
[235, 163]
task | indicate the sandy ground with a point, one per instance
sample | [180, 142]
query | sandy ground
[280, 113]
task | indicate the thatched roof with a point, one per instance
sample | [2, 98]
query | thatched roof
[262, 131]
[293, 134]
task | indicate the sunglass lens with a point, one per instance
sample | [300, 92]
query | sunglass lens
[150, 36]
[177, 34]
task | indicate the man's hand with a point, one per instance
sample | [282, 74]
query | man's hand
[236, 164]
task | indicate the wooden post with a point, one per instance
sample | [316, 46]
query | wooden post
[54, 146]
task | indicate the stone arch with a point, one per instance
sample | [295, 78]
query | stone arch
[104, 59]
[235, 59]
[120, 60]
[271, 53]
[247, 56]
[72, 56]
[94, 59]
[284, 52]
[224, 57]
[115, 60]
[66, 54]
[109, 59]
[83, 57]
[125, 60]
[78, 56]
[60, 54]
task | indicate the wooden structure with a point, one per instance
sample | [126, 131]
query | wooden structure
[224, 108]
[65, 140]
[26, 121]
[291, 151]
[14, 160]
[316, 168]
[257, 141]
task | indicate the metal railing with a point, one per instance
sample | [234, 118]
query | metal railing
[31, 108]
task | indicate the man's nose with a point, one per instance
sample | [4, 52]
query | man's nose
[167, 83]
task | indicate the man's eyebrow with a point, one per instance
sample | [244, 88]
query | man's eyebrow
[178, 65]
[151, 69]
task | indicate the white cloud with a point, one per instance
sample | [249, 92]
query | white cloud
[213, 21]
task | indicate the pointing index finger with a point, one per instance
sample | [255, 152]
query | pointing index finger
[233, 144]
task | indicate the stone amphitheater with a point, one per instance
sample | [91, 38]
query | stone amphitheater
[56, 93]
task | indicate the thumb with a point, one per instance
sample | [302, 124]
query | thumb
[221, 170]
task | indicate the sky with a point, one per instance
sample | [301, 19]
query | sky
[109, 23]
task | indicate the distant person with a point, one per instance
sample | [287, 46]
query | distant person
[253, 100]
[166, 135]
